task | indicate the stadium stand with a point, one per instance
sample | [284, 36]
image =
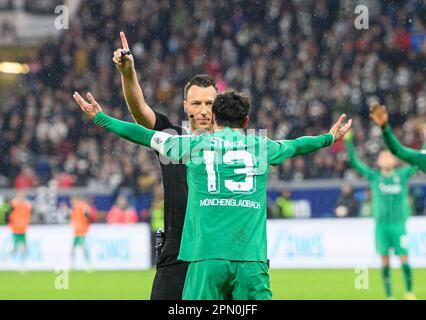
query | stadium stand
[302, 62]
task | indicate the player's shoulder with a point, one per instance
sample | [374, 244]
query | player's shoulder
[163, 123]
[401, 170]
[201, 137]
[406, 169]
[174, 130]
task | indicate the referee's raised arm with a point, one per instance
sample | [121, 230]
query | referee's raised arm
[135, 100]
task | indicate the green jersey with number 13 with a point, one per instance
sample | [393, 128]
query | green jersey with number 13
[227, 183]
[227, 175]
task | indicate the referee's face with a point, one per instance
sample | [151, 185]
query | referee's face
[198, 107]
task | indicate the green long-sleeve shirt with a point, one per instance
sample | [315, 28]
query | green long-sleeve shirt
[227, 180]
[390, 199]
[412, 156]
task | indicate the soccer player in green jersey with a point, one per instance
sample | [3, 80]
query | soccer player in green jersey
[389, 189]
[414, 157]
[224, 235]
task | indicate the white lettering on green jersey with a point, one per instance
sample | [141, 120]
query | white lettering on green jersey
[227, 183]
[227, 175]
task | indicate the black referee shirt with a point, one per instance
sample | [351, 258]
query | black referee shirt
[175, 197]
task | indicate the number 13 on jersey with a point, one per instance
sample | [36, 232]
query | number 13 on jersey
[247, 185]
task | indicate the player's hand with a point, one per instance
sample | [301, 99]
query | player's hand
[378, 114]
[124, 63]
[420, 126]
[340, 128]
[349, 136]
[90, 108]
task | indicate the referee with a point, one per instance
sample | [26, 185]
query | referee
[199, 94]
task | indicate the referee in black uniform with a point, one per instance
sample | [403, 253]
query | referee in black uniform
[199, 94]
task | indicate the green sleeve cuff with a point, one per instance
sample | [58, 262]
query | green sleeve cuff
[98, 117]
[329, 139]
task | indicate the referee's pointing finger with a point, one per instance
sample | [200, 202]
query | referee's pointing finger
[124, 41]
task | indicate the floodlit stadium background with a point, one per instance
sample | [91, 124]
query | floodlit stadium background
[302, 62]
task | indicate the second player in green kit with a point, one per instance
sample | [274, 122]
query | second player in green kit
[390, 208]
[380, 117]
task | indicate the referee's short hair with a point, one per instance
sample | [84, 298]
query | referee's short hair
[200, 80]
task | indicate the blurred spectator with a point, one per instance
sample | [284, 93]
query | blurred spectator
[298, 86]
[42, 7]
[80, 223]
[121, 212]
[346, 205]
[286, 170]
[5, 210]
[418, 204]
[25, 179]
[64, 180]
[157, 209]
[19, 220]
[6, 4]
[157, 217]
[94, 213]
[283, 206]
[63, 213]
[366, 207]
[294, 84]
[20, 217]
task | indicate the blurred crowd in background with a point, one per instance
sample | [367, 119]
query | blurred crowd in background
[302, 62]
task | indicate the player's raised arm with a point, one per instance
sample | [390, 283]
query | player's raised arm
[278, 151]
[379, 115]
[355, 162]
[414, 157]
[173, 147]
[127, 130]
[139, 109]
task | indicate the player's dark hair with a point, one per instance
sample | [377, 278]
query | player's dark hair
[231, 109]
[200, 80]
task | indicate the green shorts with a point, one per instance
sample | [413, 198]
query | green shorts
[79, 241]
[19, 239]
[391, 236]
[217, 279]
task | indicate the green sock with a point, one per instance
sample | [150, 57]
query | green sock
[387, 281]
[408, 277]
